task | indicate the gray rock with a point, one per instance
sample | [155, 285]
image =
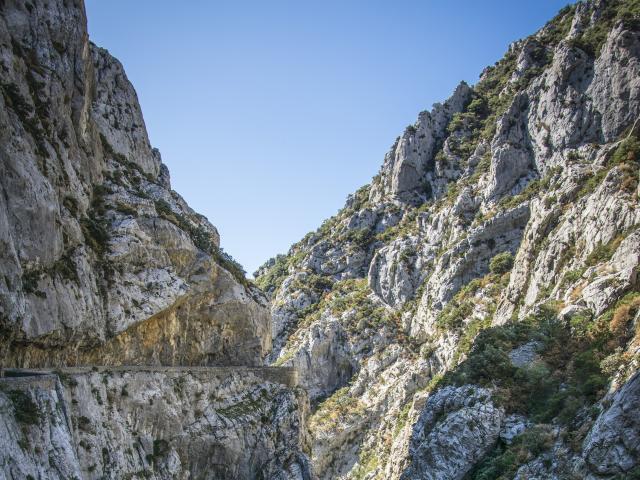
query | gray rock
[403, 175]
[398, 269]
[323, 359]
[525, 354]
[513, 426]
[512, 159]
[96, 247]
[456, 428]
[169, 423]
[613, 444]
[39, 442]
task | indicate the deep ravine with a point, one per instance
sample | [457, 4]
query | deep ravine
[472, 313]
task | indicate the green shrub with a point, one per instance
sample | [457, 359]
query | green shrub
[504, 461]
[454, 314]
[320, 283]
[65, 267]
[633, 474]
[202, 239]
[593, 38]
[627, 156]
[27, 114]
[496, 466]
[25, 409]
[571, 277]
[501, 263]
[230, 264]
[360, 236]
[336, 408]
[531, 190]
[163, 208]
[558, 27]
[71, 204]
[160, 448]
[95, 233]
[627, 151]
[478, 106]
[532, 386]
[94, 226]
[274, 275]
[126, 209]
[84, 423]
[604, 251]
[30, 280]
[567, 376]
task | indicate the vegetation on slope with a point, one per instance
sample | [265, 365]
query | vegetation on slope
[575, 361]
[576, 357]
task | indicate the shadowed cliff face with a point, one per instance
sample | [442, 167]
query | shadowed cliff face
[101, 261]
[204, 423]
[474, 311]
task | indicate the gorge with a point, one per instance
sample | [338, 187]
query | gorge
[472, 313]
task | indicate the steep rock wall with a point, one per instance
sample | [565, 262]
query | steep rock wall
[101, 261]
[201, 423]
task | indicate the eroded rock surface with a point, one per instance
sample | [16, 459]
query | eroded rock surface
[456, 428]
[101, 260]
[102, 263]
[513, 203]
[172, 423]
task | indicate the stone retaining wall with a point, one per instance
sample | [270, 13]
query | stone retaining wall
[18, 376]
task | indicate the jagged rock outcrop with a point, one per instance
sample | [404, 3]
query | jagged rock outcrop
[408, 172]
[509, 209]
[398, 269]
[456, 428]
[613, 444]
[101, 260]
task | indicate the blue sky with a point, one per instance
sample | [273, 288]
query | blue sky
[269, 113]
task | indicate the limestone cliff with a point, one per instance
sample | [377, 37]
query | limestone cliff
[160, 423]
[102, 263]
[474, 311]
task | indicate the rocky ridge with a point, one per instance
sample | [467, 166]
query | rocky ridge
[481, 295]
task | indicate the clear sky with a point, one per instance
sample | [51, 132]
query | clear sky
[269, 113]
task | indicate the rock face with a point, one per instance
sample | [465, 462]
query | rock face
[514, 203]
[21, 430]
[101, 263]
[613, 444]
[155, 423]
[408, 174]
[101, 260]
[473, 313]
[456, 428]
